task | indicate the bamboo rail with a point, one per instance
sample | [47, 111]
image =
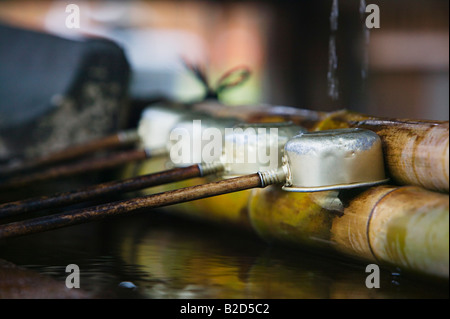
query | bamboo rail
[405, 226]
[402, 226]
[416, 151]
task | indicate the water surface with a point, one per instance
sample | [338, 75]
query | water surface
[156, 255]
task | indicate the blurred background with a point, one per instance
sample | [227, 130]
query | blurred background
[285, 44]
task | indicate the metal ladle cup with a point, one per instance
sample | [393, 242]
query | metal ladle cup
[333, 159]
[250, 148]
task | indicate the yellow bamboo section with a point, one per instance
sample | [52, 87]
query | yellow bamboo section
[416, 151]
[291, 217]
[230, 209]
[403, 226]
[406, 226]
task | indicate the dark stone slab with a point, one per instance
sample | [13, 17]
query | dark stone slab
[55, 92]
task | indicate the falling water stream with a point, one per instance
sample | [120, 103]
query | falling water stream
[366, 39]
[333, 83]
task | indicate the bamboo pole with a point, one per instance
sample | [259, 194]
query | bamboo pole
[101, 190]
[228, 209]
[406, 226]
[416, 151]
[128, 206]
[337, 221]
[403, 226]
[81, 167]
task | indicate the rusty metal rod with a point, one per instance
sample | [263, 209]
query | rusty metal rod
[109, 142]
[111, 188]
[72, 169]
[126, 207]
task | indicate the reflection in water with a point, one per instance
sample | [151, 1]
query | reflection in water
[159, 256]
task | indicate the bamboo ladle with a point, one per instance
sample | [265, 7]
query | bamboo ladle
[349, 146]
[287, 130]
